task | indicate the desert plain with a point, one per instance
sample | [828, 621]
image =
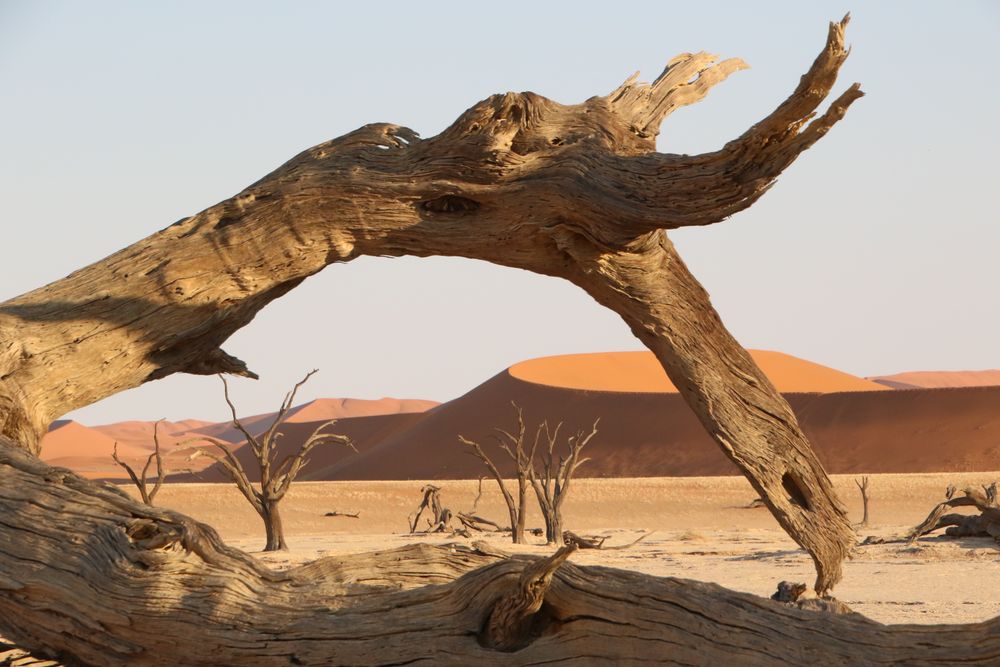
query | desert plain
[696, 522]
[700, 529]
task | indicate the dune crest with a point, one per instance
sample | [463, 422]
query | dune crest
[640, 372]
[939, 379]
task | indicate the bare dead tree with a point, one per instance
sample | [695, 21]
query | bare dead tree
[140, 481]
[985, 524]
[440, 515]
[863, 487]
[552, 484]
[275, 476]
[513, 445]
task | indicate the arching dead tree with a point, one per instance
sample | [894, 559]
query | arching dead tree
[275, 476]
[863, 488]
[555, 472]
[140, 481]
[573, 191]
[440, 515]
[985, 524]
[513, 446]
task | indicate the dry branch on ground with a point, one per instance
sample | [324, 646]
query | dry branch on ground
[985, 524]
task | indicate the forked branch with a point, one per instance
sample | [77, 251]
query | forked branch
[141, 480]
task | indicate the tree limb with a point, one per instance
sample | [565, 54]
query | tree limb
[573, 191]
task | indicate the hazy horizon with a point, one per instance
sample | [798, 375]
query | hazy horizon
[874, 254]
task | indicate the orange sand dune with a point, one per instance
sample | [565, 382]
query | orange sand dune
[641, 372]
[645, 434]
[73, 439]
[325, 409]
[322, 409]
[856, 425]
[87, 451]
[938, 379]
[362, 430]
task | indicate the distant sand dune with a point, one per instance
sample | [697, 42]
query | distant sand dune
[939, 379]
[646, 428]
[640, 372]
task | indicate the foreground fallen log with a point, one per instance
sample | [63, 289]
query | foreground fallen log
[573, 191]
[146, 586]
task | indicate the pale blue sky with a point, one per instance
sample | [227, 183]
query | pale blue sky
[875, 253]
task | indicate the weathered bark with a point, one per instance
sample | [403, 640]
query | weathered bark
[575, 191]
[145, 586]
[273, 530]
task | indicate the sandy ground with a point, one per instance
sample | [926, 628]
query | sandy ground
[702, 531]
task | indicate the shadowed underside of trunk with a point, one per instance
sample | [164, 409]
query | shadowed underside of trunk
[576, 192]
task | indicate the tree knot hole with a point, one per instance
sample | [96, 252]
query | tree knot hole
[521, 616]
[147, 534]
[450, 204]
[794, 490]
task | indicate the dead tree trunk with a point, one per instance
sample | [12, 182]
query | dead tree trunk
[513, 445]
[863, 487]
[573, 191]
[272, 527]
[181, 596]
[986, 524]
[552, 486]
[440, 515]
[275, 477]
[140, 481]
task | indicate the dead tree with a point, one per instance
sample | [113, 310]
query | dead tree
[552, 484]
[985, 524]
[140, 480]
[473, 521]
[863, 487]
[597, 541]
[275, 476]
[573, 191]
[513, 446]
[440, 515]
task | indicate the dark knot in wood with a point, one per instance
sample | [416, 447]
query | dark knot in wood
[514, 622]
[450, 204]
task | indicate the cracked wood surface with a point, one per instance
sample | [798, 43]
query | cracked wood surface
[573, 191]
[147, 586]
